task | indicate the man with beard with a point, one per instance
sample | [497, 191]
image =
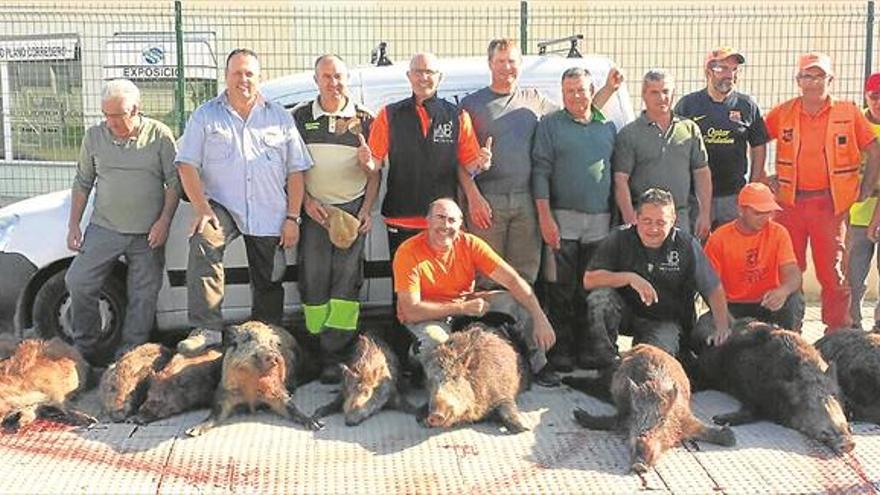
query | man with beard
[732, 125]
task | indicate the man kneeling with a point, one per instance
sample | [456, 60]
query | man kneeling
[434, 275]
[754, 258]
[647, 275]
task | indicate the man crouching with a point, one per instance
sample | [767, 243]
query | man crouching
[434, 277]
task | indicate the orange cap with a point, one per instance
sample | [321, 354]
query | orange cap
[722, 53]
[758, 196]
[815, 59]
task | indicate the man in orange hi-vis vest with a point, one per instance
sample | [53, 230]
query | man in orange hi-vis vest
[818, 159]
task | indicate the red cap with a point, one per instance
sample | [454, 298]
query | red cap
[759, 197]
[815, 59]
[873, 83]
[723, 53]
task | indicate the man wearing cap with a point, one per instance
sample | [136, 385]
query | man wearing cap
[644, 277]
[342, 184]
[859, 247]
[819, 142]
[755, 261]
[662, 150]
[733, 131]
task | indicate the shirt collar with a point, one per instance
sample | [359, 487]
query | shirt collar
[596, 115]
[224, 99]
[644, 119]
[347, 110]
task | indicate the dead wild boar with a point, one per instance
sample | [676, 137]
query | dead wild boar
[261, 364]
[652, 395]
[184, 384]
[371, 381]
[856, 358]
[474, 373]
[777, 375]
[124, 385]
[38, 380]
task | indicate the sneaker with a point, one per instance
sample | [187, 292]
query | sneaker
[547, 378]
[331, 374]
[199, 340]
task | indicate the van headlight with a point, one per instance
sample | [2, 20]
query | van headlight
[7, 225]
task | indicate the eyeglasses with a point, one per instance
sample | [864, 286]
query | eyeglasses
[720, 69]
[811, 78]
[426, 72]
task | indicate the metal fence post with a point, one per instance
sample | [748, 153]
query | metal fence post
[180, 93]
[524, 27]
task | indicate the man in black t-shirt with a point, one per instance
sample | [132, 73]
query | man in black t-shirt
[643, 279]
[731, 124]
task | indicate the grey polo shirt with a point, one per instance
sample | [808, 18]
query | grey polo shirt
[129, 175]
[653, 158]
[244, 164]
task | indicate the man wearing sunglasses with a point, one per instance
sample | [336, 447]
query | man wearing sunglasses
[733, 131]
[819, 145]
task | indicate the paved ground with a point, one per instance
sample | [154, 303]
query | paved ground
[390, 453]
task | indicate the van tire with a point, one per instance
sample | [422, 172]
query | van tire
[53, 296]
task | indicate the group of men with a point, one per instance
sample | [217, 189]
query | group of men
[525, 170]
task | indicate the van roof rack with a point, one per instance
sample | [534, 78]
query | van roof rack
[378, 55]
[572, 48]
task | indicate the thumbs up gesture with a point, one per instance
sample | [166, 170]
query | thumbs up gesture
[484, 158]
[365, 155]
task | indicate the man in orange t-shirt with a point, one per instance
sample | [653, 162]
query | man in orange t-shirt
[434, 278]
[754, 258]
[819, 141]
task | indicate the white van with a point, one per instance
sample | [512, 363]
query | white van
[34, 256]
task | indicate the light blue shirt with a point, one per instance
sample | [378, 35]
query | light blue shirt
[244, 164]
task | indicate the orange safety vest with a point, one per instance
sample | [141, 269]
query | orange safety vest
[842, 155]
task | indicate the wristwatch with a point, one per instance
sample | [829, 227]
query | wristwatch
[295, 219]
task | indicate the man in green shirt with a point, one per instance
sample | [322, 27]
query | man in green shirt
[571, 183]
[662, 150]
[129, 160]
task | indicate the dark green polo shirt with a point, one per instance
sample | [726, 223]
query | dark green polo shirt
[653, 158]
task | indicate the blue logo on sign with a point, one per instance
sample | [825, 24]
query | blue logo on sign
[153, 55]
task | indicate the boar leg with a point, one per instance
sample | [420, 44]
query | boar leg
[592, 422]
[220, 411]
[65, 415]
[331, 408]
[694, 429]
[510, 417]
[741, 417]
[292, 412]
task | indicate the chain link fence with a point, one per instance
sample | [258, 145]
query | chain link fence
[55, 56]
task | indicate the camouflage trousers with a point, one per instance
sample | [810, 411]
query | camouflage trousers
[608, 316]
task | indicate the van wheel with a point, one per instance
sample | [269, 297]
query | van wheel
[52, 314]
